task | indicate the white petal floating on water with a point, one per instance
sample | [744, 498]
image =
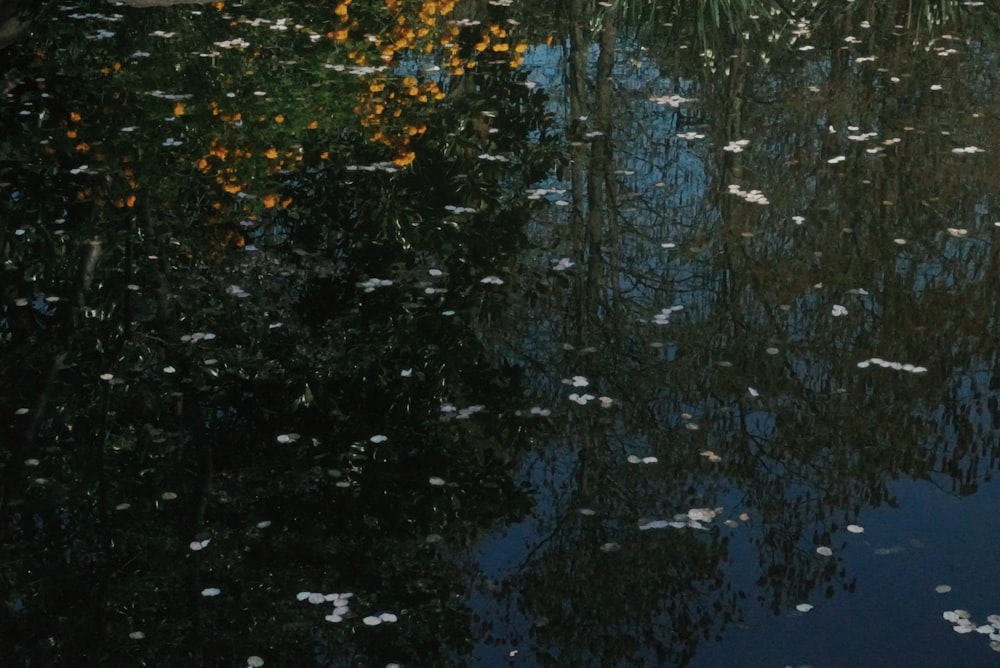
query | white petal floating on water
[650, 460]
[753, 392]
[388, 617]
[854, 528]
[255, 661]
[803, 607]
[198, 545]
[670, 100]
[736, 146]
[838, 310]
[287, 438]
[316, 598]
[701, 514]
[824, 550]
[302, 595]
[942, 589]
[492, 280]
[379, 438]
[656, 524]
[950, 616]
[168, 496]
[371, 620]
[334, 618]
[836, 159]
[633, 459]
[610, 547]
[211, 591]
[372, 283]
[437, 482]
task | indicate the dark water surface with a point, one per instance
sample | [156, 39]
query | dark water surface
[501, 334]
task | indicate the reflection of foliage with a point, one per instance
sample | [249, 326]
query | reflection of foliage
[128, 399]
[418, 29]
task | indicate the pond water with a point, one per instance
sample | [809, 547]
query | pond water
[501, 334]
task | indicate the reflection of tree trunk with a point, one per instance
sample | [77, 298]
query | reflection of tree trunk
[198, 440]
[579, 43]
[472, 10]
[601, 157]
[23, 447]
[733, 213]
[735, 85]
[591, 169]
[158, 267]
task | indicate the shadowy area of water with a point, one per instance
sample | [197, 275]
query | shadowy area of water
[485, 333]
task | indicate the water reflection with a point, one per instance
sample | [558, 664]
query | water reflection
[579, 366]
[757, 368]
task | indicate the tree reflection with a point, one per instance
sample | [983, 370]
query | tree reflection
[177, 391]
[755, 370]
